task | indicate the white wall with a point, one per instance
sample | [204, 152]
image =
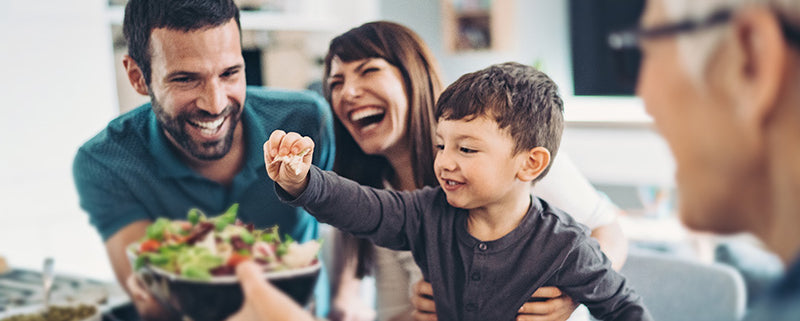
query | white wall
[610, 139]
[57, 91]
[541, 31]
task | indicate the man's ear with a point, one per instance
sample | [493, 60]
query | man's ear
[759, 37]
[135, 75]
[534, 163]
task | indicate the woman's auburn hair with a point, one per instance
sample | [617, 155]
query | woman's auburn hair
[404, 49]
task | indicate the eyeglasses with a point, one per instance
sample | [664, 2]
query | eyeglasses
[631, 39]
[627, 43]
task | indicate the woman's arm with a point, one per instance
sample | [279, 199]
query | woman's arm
[566, 188]
[613, 243]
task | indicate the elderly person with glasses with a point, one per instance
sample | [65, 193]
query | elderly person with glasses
[721, 79]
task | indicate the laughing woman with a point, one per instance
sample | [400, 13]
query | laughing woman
[382, 83]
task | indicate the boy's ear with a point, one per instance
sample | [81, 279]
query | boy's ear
[535, 162]
[135, 75]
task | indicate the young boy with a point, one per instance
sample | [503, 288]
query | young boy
[480, 238]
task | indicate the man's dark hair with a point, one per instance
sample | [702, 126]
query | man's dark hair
[519, 98]
[142, 16]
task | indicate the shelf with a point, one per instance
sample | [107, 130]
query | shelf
[605, 111]
[259, 20]
[478, 28]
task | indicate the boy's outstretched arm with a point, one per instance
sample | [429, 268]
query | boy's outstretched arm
[288, 159]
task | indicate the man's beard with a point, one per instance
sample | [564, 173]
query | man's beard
[175, 126]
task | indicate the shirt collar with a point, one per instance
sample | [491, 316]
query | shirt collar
[523, 230]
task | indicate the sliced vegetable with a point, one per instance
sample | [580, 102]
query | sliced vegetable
[156, 230]
[195, 260]
[228, 218]
[149, 246]
[194, 216]
[247, 237]
[237, 258]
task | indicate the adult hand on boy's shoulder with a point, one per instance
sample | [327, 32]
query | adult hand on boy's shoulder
[288, 160]
[549, 304]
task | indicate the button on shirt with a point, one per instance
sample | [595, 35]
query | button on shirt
[476, 276]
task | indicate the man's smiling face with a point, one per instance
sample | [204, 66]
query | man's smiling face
[198, 87]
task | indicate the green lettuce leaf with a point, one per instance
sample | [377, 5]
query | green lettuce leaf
[156, 230]
[197, 262]
[227, 218]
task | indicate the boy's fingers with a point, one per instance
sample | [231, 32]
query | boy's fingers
[268, 157]
[288, 144]
[274, 143]
[307, 144]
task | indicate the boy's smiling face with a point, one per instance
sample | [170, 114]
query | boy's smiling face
[475, 164]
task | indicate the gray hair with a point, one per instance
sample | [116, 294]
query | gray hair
[696, 49]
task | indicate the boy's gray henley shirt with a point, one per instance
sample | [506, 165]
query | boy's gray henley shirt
[474, 279]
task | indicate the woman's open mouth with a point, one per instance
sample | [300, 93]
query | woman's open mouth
[367, 117]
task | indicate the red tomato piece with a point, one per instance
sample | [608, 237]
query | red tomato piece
[237, 258]
[149, 246]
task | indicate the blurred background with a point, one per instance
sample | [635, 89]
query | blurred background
[63, 82]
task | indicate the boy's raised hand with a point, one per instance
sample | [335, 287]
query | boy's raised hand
[288, 159]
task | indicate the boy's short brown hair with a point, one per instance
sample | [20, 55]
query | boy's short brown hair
[518, 97]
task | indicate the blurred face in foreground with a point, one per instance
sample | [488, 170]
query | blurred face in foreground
[716, 146]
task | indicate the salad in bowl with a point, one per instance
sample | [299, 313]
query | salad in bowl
[189, 266]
